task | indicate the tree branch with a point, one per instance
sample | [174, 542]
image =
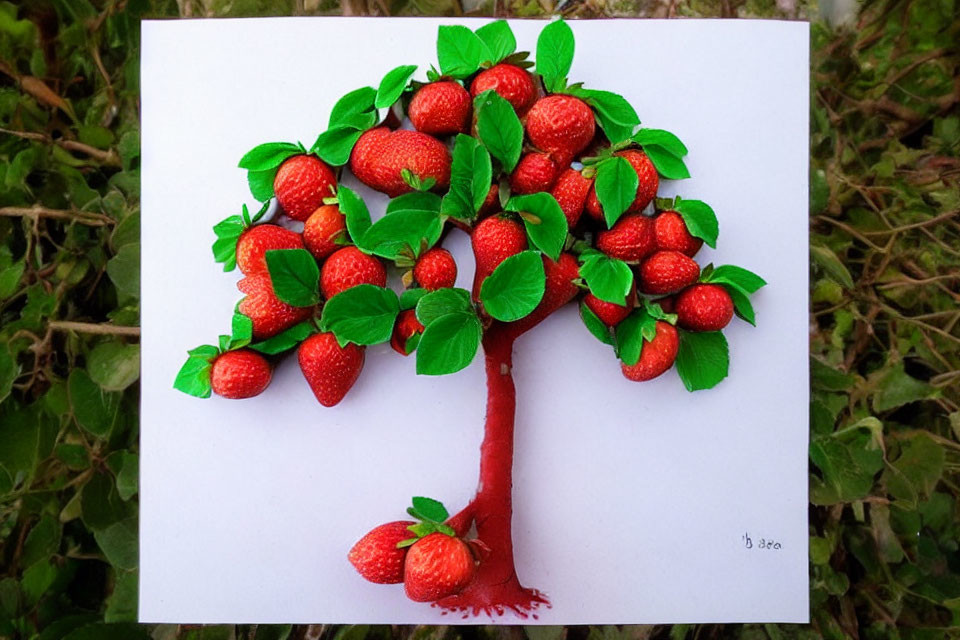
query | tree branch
[88, 218]
[95, 329]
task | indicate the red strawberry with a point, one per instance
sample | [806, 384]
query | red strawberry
[535, 172]
[376, 557]
[656, 356]
[667, 304]
[631, 238]
[511, 83]
[667, 272]
[492, 202]
[301, 184]
[435, 269]
[270, 316]
[405, 328]
[570, 191]
[494, 240]
[671, 234]
[704, 307]
[437, 566]
[440, 108]
[561, 125]
[649, 182]
[609, 313]
[380, 156]
[256, 241]
[243, 373]
[322, 229]
[330, 369]
[347, 267]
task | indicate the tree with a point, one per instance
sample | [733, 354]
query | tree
[542, 230]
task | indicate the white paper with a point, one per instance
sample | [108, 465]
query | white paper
[631, 501]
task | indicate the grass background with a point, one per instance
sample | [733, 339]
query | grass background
[884, 322]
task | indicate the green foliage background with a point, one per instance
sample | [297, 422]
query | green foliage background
[884, 324]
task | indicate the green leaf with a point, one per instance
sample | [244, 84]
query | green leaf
[126, 467]
[663, 139]
[42, 542]
[114, 365]
[122, 603]
[631, 333]
[100, 503]
[355, 211]
[555, 47]
[515, 287]
[36, 580]
[118, 542]
[595, 325]
[334, 145]
[470, 178]
[194, 377]
[9, 370]
[448, 344]
[917, 470]
[668, 165]
[414, 201]
[499, 39]
[393, 85]
[442, 302]
[615, 115]
[703, 359]
[241, 331]
[261, 184]
[741, 303]
[430, 509]
[499, 128]
[460, 51]
[403, 234]
[359, 103]
[848, 460]
[268, 156]
[616, 186]
[93, 408]
[363, 314]
[75, 456]
[10, 278]
[228, 232]
[544, 219]
[827, 378]
[743, 279]
[286, 339]
[410, 297]
[294, 275]
[832, 265]
[896, 388]
[608, 278]
[124, 270]
[700, 219]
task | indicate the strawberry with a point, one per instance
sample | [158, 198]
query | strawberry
[330, 369]
[270, 316]
[535, 172]
[494, 240]
[648, 183]
[406, 327]
[440, 108]
[611, 314]
[243, 373]
[561, 125]
[570, 191]
[656, 356]
[380, 156]
[630, 240]
[257, 240]
[376, 557]
[704, 307]
[510, 82]
[347, 267]
[437, 566]
[301, 184]
[671, 234]
[323, 229]
[667, 272]
[435, 269]
[491, 203]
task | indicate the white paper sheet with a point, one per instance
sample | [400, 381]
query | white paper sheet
[632, 501]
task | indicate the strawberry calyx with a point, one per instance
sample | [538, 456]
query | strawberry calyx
[228, 232]
[653, 308]
[416, 182]
[431, 516]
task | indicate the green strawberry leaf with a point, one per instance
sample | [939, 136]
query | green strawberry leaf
[228, 232]
[355, 108]
[286, 339]
[544, 220]
[595, 325]
[207, 351]
[515, 287]
[741, 303]
[410, 298]
[614, 114]
[241, 332]
[393, 85]
[442, 302]
[411, 344]
[448, 344]
[294, 275]
[664, 139]
[739, 277]
[224, 343]
[616, 186]
[608, 278]
[430, 510]
[404, 233]
[499, 38]
[363, 314]
[631, 332]
[194, 376]
[700, 219]
[470, 178]
[356, 213]
[415, 201]
[335, 144]
[668, 165]
[555, 47]
[703, 359]
[499, 128]
[657, 312]
[460, 51]
[261, 183]
[268, 156]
